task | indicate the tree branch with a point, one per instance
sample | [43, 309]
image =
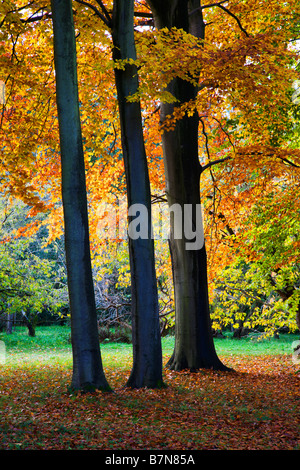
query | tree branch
[210, 164]
[221, 160]
[106, 13]
[283, 159]
[225, 132]
[97, 12]
[142, 14]
[219, 5]
[235, 17]
[206, 138]
[33, 17]
[289, 162]
[157, 198]
[210, 5]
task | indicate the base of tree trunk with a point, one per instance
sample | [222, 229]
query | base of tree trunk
[132, 383]
[141, 377]
[181, 363]
[89, 388]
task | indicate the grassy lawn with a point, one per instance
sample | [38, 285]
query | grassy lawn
[254, 408]
[52, 344]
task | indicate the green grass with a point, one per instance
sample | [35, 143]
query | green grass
[254, 345]
[257, 407]
[52, 343]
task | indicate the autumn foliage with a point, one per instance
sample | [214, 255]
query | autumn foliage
[246, 75]
[244, 69]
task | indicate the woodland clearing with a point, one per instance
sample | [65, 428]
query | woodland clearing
[256, 407]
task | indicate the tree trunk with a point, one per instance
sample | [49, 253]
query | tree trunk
[147, 353]
[9, 323]
[194, 346]
[29, 324]
[88, 373]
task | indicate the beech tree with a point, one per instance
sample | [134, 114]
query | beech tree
[221, 88]
[194, 346]
[87, 364]
[147, 354]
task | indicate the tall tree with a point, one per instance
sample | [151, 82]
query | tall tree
[87, 364]
[194, 346]
[147, 354]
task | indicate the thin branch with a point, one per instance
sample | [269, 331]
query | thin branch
[210, 164]
[235, 17]
[219, 5]
[221, 160]
[14, 11]
[32, 18]
[206, 138]
[158, 198]
[283, 159]
[96, 11]
[112, 146]
[289, 162]
[14, 43]
[161, 315]
[210, 5]
[139, 14]
[225, 132]
[106, 13]
[22, 8]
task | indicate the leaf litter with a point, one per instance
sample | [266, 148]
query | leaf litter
[254, 408]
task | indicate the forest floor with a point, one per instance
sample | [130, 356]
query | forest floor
[256, 407]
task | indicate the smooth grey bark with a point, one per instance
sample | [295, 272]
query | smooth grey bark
[194, 346]
[147, 353]
[88, 372]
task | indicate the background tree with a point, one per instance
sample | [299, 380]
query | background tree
[32, 278]
[258, 286]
